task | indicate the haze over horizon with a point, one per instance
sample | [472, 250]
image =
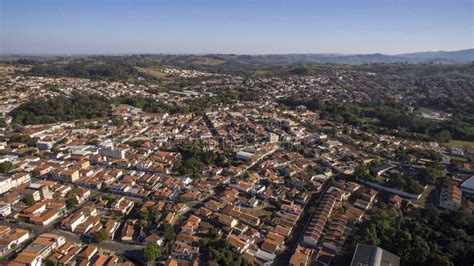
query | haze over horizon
[236, 27]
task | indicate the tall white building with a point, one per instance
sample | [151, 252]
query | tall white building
[113, 152]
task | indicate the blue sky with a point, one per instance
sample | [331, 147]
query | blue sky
[234, 26]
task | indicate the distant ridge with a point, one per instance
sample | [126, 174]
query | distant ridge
[462, 56]
[440, 57]
[458, 56]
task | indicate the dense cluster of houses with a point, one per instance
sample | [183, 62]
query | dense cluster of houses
[284, 188]
[56, 249]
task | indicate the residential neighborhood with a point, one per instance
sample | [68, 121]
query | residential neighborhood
[226, 168]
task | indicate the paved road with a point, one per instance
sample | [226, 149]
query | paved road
[301, 224]
[117, 247]
[429, 196]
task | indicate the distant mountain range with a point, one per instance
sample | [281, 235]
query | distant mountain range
[462, 56]
[439, 57]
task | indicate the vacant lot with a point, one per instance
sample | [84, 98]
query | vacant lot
[152, 72]
[461, 144]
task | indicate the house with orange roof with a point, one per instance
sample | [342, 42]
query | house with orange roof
[123, 206]
[69, 175]
[36, 209]
[191, 224]
[281, 230]
[169, 218]
[301, 256]
[88, 252]
[44, 244]
[101, 260]
[203, 212]
[249, 219]
[187, 238]
[214, 205]
[227, 220]
[111, 227]
[185, 252]
[11, 238]
[242, 186]
[113, 261]
[20, 178]
[165, 193]
[128, 231]
[155, 239]
[46, 218]
[237, 242]
[43, 170]
[25, 258]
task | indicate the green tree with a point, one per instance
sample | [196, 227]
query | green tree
[100, 236]
[362, 172]
[431, 237]
[118, 121]
[440, 260]
[396, 180]
[50, 262]
[151, 252]
[72, 202]
[6, 167]
[222, 253]
[443, 136]
[29, 200]
[61, 108]
[168, 231]
[413, 186]
[429, 175]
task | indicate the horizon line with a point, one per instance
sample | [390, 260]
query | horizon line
[218, 53]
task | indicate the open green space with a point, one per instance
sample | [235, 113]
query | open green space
[461, 144]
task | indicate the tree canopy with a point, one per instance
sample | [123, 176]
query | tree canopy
[71, 202]
[391, 117]
[220, 252]
[61, 108]
[428, 237]
[194, 159]
[151, 252]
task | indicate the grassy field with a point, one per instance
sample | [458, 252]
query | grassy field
[152, 72]
[461, 144]
[380, 179]
[369, 120]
